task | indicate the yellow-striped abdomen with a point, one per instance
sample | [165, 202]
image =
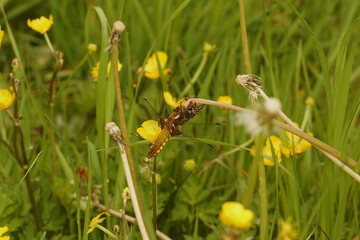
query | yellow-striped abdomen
[159, 143]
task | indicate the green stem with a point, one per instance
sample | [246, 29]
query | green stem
[24, 165]
[262, 184]
[66, 82]
[195, 77]
[124, 220]
[251, 184]
[48, 42]
[110, 234]
[52, 93]
[153, 183]
[244, 41]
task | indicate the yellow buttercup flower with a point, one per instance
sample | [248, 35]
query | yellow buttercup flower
[95, 221]
[6, 98]
[41, 25]
[151, 69]
[277, 145]
[235, 215]
[295, 143]
[95, 70]
[225, 99]
[287, 230]
[2, 231]
[1, 35]
[171, 101]
[149, 130]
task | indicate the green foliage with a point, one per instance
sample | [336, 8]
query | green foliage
[299, 48]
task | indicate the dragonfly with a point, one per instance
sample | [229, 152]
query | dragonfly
[179, 116]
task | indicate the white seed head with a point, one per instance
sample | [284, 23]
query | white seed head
[272, 106]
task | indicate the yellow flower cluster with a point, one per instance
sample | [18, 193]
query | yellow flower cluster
[234, 214]
[293, 146]
[6, 98]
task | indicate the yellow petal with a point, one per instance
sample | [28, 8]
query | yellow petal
[6, 98]
[3, 230]
[96, 220]
[235, 215]
[41, 25]
[151, 69]
[109, 66]
[149, 130]
[277, 146]
[170, 100]
[303, 145]
[295, 143]
[95, 71]
[1, 35]
[225, 99]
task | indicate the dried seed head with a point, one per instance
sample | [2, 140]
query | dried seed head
[119, 26]
[251, 83]
[272, 106]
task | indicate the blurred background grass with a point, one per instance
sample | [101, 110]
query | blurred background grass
[283, 52]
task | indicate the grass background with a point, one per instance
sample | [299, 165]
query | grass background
[296, 59]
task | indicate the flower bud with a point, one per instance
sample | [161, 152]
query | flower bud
[92, 48]
[309, 101]
[15, 64]
[125, 194]
[190, 165]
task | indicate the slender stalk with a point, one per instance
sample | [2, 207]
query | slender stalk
[24, 165]
[262, 184]
[195, 77]
[244, 41]
[52, 93]
[48, 42]
[154, 191]
[333, 154]
[110, 234]
[251, 183]
[129, 219]
[66, 82]
[124, 221]
[117, 134]
[119, 27]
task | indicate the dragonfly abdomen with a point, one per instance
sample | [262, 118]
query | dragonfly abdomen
[159, 143]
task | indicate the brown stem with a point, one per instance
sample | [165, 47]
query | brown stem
[129, 219]
[52, 94]
[23, 161]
